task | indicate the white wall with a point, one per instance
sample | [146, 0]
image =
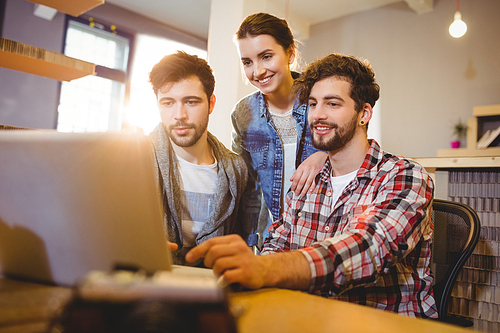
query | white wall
[428, 79]
[230, 85]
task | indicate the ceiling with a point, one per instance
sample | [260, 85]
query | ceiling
[192, 16]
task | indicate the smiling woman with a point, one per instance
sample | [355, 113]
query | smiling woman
[270, 125]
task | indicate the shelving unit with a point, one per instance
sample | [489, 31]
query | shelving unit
[34, 60]
[71, 7]
[483, 117]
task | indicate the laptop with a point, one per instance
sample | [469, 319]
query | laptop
[72, 203]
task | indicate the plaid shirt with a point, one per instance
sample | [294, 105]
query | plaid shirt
[374, 246]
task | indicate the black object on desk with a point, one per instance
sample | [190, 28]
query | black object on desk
[130, 302]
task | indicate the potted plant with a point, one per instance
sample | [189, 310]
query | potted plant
[460, 132]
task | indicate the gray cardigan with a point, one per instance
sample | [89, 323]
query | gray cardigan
[229, 212]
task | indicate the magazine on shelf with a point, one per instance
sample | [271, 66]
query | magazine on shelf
[488, 138]
[481, 141]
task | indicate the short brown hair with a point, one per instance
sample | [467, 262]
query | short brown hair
[179, 66]
[358, 73]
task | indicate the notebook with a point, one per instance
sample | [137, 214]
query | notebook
[72, 203]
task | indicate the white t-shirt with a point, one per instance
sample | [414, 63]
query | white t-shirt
[339, 183]
[198, 184]
[287, 131]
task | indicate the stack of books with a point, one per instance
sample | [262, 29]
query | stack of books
[34, 60]
[488, 138]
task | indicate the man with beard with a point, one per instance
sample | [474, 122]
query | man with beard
[364, 233]
[201, 181]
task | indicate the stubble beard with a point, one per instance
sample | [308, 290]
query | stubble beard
[343, 134]
[187, 140]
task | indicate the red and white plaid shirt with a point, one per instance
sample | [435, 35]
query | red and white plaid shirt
[374, 246]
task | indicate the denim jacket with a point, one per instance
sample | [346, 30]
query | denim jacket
[256, 140]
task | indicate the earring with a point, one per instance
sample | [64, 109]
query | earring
[362, 122]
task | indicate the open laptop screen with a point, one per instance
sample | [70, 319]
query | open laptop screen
[75, 202]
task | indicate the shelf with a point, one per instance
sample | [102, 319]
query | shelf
[466, 152]
[432, 164]
[475, 129]
[460, 162]
[34, 60]
[71, 7]
[486, 110]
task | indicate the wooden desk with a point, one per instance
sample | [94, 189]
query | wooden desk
[27, 307]
[279, 310]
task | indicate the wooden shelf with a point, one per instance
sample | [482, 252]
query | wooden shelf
[432, 164]
[460, 162]
[466, 152]
[34, 60]
[71, 7]
[486, 110]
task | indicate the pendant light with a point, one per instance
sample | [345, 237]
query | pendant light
[458, 27]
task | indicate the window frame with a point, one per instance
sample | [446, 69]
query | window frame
[103, 71]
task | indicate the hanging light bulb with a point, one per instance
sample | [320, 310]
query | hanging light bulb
[458, 28]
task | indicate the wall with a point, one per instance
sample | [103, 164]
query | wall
[428, 79]
[28, 100]
[231, 83]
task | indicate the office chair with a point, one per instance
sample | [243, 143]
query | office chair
[456, 233]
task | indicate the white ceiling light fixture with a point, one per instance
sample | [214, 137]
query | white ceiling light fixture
[458, 28]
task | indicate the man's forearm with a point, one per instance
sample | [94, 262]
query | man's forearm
[288, 270]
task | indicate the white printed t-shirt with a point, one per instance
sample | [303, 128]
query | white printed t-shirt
[198, 184]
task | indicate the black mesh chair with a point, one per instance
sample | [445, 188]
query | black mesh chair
[456, 233]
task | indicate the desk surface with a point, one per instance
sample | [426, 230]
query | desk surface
[279, 310]
[26, 307]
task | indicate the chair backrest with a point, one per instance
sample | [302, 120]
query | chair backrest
[456, 233]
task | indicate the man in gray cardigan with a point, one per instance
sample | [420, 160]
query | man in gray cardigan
[201, 181]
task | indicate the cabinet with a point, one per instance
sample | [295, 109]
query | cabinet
[474, 181]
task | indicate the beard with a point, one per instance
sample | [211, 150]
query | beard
[343, 134]
[187, 140]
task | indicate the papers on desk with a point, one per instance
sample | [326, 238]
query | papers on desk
[488, 138]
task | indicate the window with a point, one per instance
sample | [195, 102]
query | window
[99, 103]
[94, 103]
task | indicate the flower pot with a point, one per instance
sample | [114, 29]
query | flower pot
[455, 144]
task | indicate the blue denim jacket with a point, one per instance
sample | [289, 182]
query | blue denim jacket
[256, 140]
